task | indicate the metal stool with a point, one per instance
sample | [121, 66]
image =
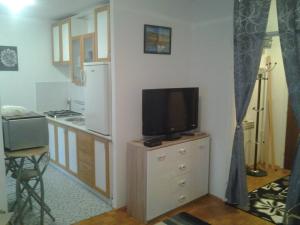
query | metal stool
[28, 179]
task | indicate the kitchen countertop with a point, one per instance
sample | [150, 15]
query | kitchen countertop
[62, 120]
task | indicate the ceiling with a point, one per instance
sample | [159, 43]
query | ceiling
[55, 9]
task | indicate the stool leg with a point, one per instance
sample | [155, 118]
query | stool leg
[18, 191]
[42, 197]
[42, 200]
[30, 203]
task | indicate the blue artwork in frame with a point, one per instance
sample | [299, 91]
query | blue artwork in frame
[157, 39]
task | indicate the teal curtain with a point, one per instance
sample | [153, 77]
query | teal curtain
[250, 22]
[289, 32]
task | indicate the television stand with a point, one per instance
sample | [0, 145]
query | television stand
[173, 137]
[165, 177]
[188, 134]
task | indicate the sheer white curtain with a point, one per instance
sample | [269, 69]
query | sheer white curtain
[3, 193]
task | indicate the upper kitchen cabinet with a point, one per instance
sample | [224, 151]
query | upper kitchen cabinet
[83, 51]
[56, 43]
[61, 42]
[102, 30]
[83, 23]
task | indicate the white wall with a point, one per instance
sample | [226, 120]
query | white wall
[279, 102]
[279, 89]
[212, 71]
[33, 39]
[202, 55]
[133, 70]
[279, 98]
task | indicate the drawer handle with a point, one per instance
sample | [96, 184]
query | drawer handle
[182, 151]
[161, 158]
[182, 198]
[182, 183]
[182, 167]
[201, 146]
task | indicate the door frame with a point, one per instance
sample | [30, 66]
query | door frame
[3, 193]
[291, 139]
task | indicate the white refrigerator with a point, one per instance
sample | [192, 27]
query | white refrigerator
[98, 97]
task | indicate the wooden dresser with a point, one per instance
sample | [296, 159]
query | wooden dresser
[165, 177]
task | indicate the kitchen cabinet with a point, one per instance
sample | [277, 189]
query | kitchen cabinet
[72, 143]
[102, 167]
[102, 30]
[83, 51]
[66, 41]
[51, 131]
[61, 146]
[83, 23]
[61, 42]
[84, 155]
[56, 43]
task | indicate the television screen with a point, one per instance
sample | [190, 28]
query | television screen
[168, 111]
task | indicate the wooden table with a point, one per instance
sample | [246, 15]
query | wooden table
[27, 152]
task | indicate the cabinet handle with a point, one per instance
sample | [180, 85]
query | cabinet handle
[182, 183]
[201, 146]
[182, 167]
[161, 158]
[182, 198]
[182, 151]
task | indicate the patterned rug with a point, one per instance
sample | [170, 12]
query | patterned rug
[268, 202]
[183, 219]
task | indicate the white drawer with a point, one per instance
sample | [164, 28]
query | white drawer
[159, 162]
[186, 151]
[181, 183]
[181, 167]
[175, 160]
[181, 199]
[182, 151]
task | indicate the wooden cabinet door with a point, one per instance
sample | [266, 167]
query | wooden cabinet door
[56, 57]
[61, 146]
[52, 147]
[200, 168]
[102, 28]
[292, 137]
[65, 41]
[77, 61]
[86, 155]
[72, 144]
[83, 51]
[102, 167]
[88, 48]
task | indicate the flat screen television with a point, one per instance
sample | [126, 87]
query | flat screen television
[169, 111]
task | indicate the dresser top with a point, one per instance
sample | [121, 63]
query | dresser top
[196, 136]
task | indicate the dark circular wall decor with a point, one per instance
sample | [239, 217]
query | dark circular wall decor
[8, 58]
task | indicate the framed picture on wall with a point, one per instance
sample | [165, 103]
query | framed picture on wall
[157, 39]
[8, 58]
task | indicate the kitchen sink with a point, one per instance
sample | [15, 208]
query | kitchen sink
[76, 120]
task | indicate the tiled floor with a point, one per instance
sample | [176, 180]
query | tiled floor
[68, 200]
[208, 208]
